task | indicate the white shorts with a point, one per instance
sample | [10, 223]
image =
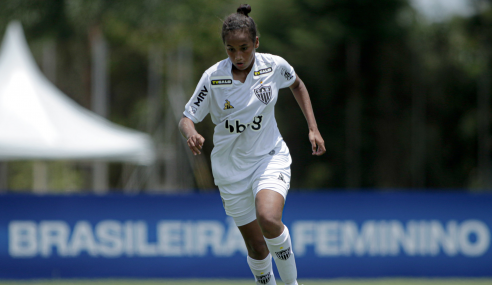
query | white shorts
[273, 174]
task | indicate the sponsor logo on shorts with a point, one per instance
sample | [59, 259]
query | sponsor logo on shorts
[228, 105]
[281, 177]
[193, 110]
[286, 74]
[263, 70]
[272, 152]
[264, 279]
[264, 94]
[221, 81]
[201, 96]
[283, 254]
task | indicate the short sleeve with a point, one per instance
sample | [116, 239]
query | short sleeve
[285, 73]
[199, 105]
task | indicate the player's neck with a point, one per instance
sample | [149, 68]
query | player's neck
[241, 75]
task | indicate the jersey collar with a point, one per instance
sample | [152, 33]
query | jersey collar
[255, 64]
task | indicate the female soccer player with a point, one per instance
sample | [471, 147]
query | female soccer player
[250, 160]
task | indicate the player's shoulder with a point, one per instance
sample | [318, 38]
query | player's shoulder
[270, 58]
[222, 67]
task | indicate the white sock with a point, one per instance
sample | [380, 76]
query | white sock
[281, 249]
[262, 270]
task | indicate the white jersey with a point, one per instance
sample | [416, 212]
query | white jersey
[246, 131]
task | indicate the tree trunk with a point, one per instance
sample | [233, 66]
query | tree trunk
[484, 170]
[353, 117]
[99, 101]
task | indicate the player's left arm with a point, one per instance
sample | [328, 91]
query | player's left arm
[302, 97]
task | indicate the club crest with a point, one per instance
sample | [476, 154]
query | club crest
[264, 279]
[283, 254]
[264, 94]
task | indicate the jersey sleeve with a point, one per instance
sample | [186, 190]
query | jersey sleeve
[199, 105]
[285, 73]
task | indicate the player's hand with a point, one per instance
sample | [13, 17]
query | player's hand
[317, 142]
[195, 143]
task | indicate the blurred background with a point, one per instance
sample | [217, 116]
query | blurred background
[400, 89]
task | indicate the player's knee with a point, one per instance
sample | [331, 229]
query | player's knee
[257, 249]
[270, 225]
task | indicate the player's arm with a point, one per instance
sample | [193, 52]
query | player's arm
[302, 97]
[193, 138]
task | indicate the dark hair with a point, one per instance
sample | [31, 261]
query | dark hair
[240, 21]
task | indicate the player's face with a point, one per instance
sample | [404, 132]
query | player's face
[241, 49]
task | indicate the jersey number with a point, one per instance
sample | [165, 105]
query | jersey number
[235, 127]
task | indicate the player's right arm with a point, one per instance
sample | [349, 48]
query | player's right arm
[193, 138]
[195, 110]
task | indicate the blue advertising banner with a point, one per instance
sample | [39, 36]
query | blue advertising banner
[333, 234]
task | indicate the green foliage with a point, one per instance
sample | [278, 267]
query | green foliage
[401, 56]
[63, 176]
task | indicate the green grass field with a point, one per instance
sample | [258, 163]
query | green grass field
[251, 282]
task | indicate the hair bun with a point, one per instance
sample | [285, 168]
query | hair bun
[244, 9]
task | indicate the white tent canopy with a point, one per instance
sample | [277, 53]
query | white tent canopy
[38, 121]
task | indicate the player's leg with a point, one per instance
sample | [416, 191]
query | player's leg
[240, 206]
[270, 189]
[259, 258]
[253, 238]
[269, 206]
